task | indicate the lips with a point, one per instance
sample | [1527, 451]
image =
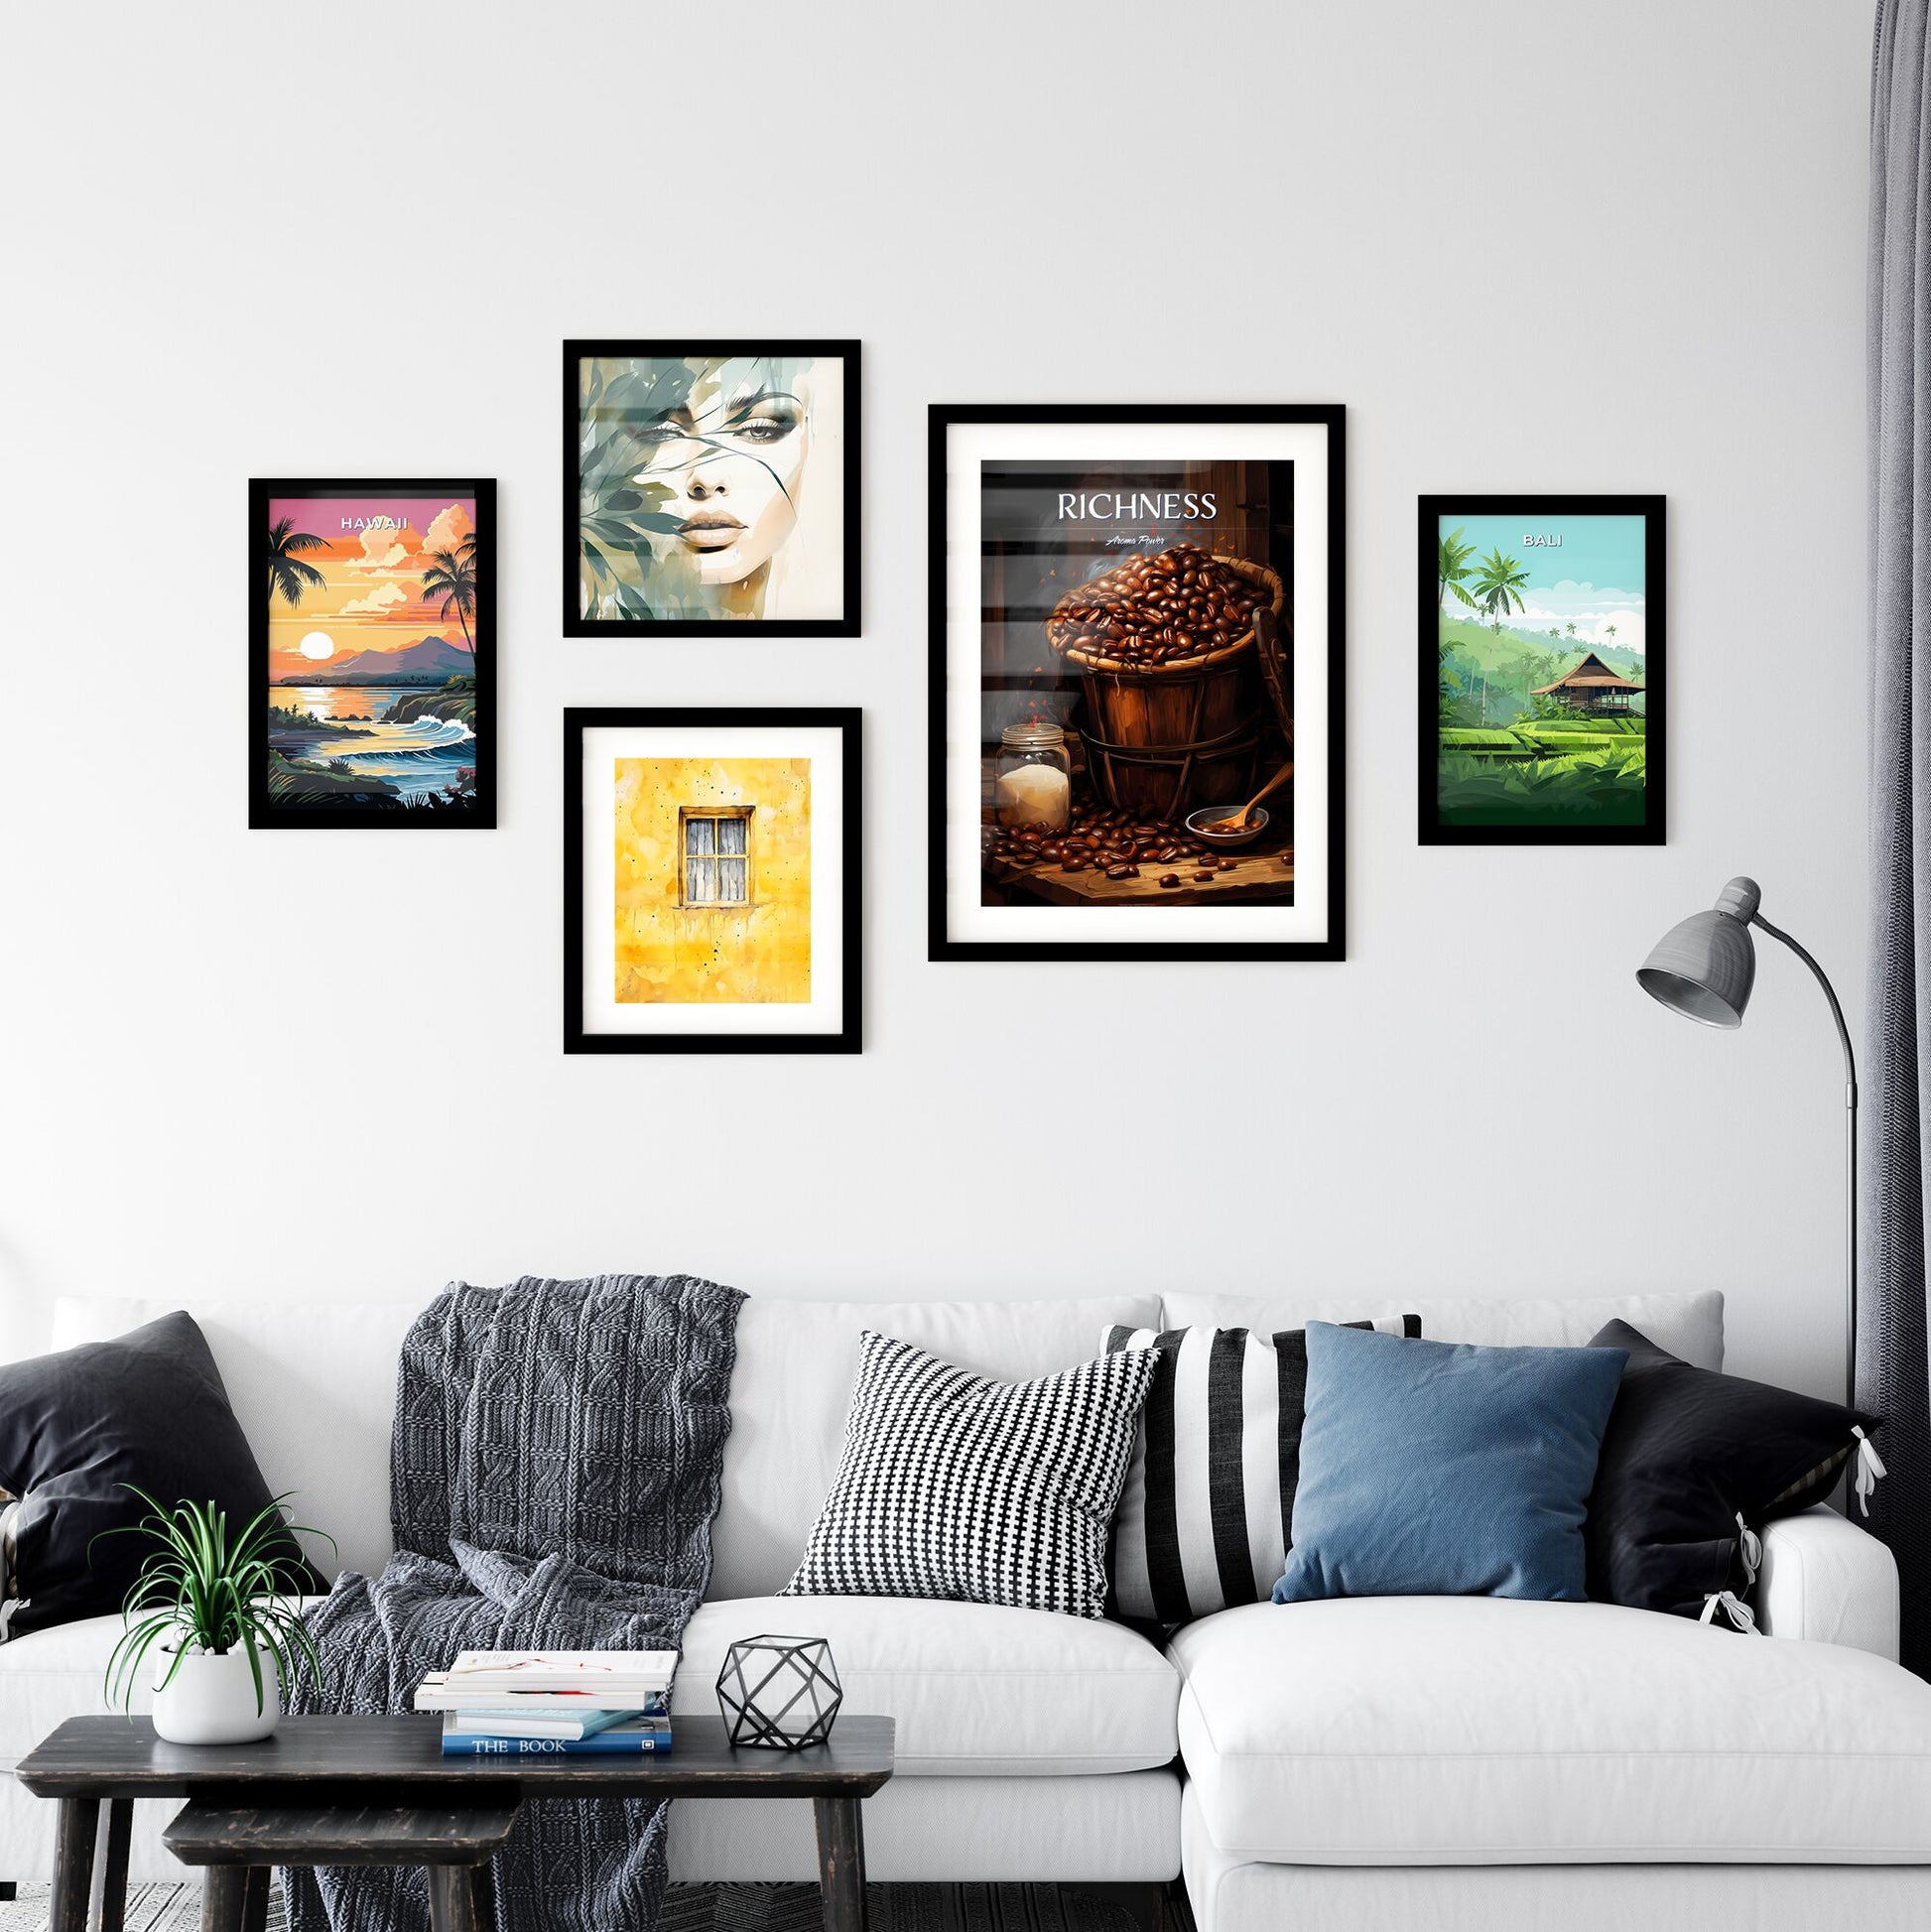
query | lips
[710, 530]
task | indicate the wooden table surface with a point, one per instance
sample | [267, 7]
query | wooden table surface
[1259, 875]
[121, 1757]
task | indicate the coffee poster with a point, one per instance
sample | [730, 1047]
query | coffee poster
[1139, 667]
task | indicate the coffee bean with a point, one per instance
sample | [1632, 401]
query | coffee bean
[1200, 878]
[1170, 880]
[1073, 865]
[1228, 864]
[1122, 871]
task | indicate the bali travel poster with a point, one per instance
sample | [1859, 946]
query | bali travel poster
[372, 669]
[1542, 699]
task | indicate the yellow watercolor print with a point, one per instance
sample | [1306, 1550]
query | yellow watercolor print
[713, 886]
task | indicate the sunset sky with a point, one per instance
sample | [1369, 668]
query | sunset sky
[373, 600]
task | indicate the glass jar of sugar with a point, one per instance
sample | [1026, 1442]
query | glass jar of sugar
[1033, 785]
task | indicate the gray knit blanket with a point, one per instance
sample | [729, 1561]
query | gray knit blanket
[553, 1474]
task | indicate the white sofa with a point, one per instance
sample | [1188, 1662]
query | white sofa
[1370, 1764]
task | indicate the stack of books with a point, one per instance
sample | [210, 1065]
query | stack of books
[537, 1703]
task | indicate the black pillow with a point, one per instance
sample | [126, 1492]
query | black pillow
[1687, 1453]
[147, 1408]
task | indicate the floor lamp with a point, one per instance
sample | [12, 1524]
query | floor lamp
[1704, 968]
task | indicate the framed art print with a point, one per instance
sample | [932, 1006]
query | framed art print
[372, 633]
[712, 883]
[710, 485]
[1136, 683]
[1543, 709]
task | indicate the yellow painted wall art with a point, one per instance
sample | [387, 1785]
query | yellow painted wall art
[714, 886]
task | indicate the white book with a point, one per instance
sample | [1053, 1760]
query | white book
[433, 1693]
[562, 1670]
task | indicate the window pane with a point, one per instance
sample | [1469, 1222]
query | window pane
[731, 835]
[700, 835]
[701, 881]
[731, 881]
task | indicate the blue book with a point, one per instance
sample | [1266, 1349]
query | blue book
[620, 1740]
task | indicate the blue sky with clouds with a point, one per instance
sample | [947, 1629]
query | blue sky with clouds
[1593, 578]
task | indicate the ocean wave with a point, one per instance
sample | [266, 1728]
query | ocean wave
[408, 754]
[430, 731]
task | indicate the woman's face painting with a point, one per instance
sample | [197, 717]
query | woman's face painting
[733, 454]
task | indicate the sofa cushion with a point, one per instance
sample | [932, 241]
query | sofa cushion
[973, 1490]
[1485, 1731]
[1208, 1498]
[1690, 1326]
[313, 1387]
[978, 1691]
[796, 1363]
[1445, 1468]
[1693, 1465]
[93, 1441]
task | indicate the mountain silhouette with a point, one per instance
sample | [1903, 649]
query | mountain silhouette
[427, 658]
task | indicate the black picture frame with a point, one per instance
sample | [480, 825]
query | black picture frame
[479, 815]
[1654, 509]
[1333, 417]
[848, 625]
[848, 722]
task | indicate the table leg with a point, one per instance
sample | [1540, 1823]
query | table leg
[841, 1863]
[9, 1888]
[254, 1900]
[458, 1898]
[114, 1875]
[224, 1897]
[74, 1864]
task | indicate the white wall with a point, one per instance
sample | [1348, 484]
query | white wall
[1614, 246]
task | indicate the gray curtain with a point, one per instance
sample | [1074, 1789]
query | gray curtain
[1893, 1362]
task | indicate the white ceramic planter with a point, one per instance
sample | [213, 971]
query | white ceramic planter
[211, 1700]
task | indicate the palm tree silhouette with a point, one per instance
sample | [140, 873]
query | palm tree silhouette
[1608, 631]
[1572, 629]
[1451, 567]
[451, 576]
[1498, 587]
[286, 570]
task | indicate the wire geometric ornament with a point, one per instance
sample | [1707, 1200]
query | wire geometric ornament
[779, 1692]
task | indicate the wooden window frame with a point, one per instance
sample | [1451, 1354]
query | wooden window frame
[685, 813]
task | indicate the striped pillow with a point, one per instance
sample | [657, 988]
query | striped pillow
[1208, 1511]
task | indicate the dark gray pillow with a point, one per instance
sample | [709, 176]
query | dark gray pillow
[76, 1427]
[1689, 1461]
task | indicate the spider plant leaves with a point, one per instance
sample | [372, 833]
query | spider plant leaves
[210, 1591]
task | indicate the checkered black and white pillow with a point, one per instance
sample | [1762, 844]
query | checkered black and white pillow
[952, 1485]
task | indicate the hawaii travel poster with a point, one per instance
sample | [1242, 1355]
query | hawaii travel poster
[373, 620]
[1542, 703]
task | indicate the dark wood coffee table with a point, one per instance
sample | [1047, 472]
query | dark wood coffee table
[312, 1766]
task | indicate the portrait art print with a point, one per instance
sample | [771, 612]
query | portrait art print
[372, 697]
[710, 487]
[1544, 712]
[712, 881]
[1136, 625]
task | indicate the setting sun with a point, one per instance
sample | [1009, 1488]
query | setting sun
[317, 644]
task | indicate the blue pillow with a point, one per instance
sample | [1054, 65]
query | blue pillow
[1436, 1468]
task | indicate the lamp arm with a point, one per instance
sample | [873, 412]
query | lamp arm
[1829, 993]
[1851, 1155]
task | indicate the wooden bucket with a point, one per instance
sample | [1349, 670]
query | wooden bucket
[1162, 740]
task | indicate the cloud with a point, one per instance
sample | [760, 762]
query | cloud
[382, 551]
[447, 528]
[1591, 621]
[376, 601]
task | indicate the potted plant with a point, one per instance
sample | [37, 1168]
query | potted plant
[216, 1619]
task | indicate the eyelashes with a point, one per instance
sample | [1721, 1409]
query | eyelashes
[768, 426]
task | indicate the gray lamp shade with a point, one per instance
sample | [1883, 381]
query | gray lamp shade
[1703, 966]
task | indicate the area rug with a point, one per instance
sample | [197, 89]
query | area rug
[714, 1908]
